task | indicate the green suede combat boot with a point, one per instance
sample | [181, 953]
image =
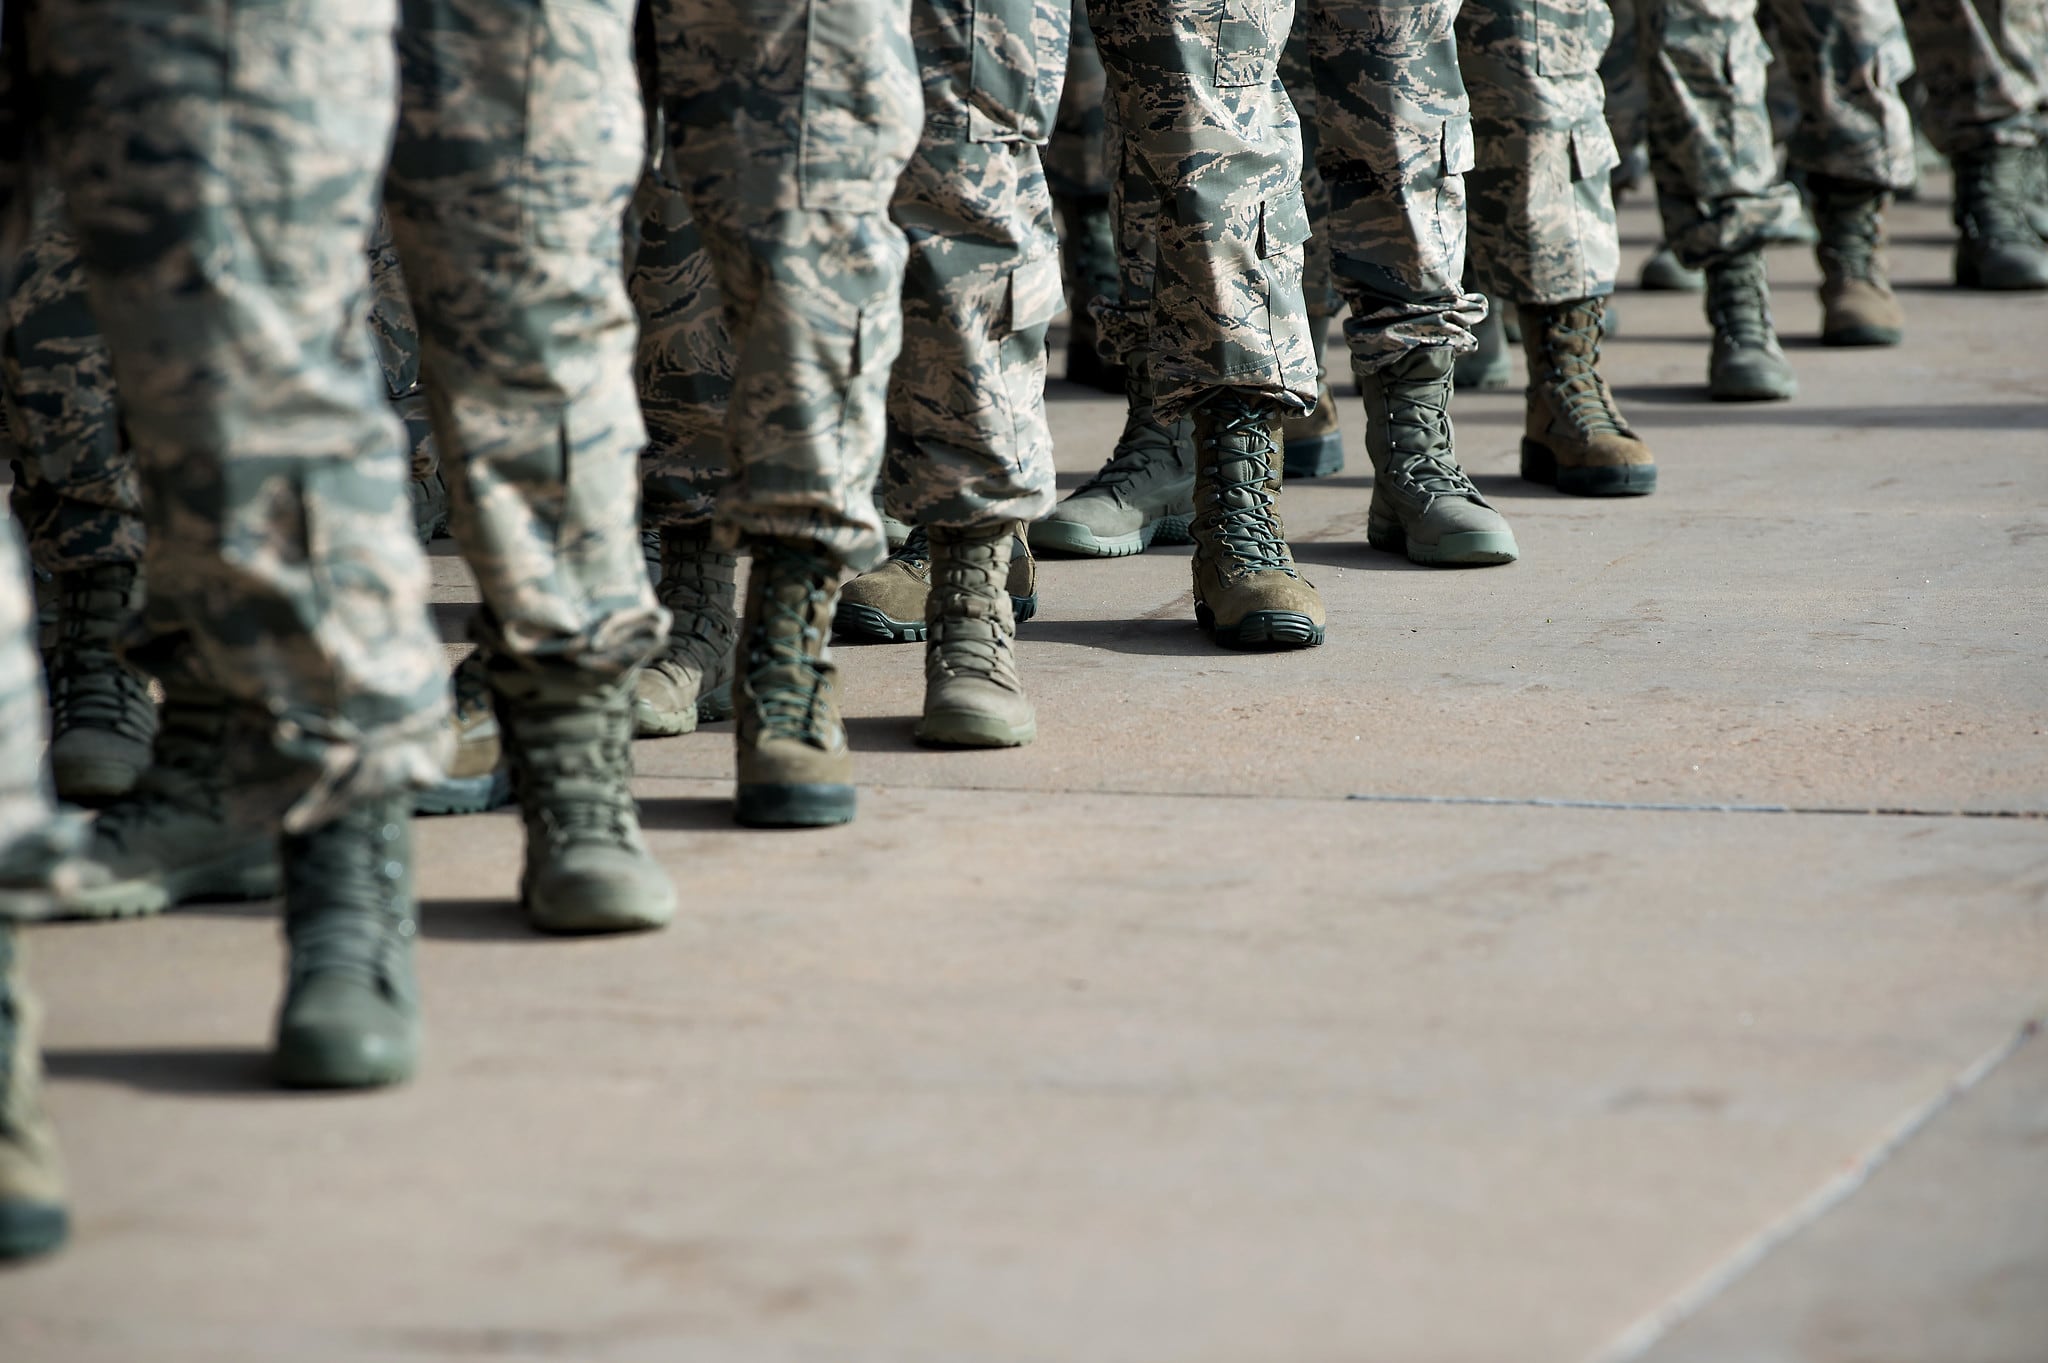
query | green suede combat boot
[350, 1017]
[1142, 495]
[32, 1216]
[887, 605]
[795, 770]
[1998, 247]
[1423, 504]
[1488, 368]
[1747, 364]
[1858, 307]
[973, 697]
[1574, 438]
[1662, 273]
[568, 738]
[1312, 444]
[690, 681]
[102, 721]
[168, 841]
[477, 779]
[1248, 593]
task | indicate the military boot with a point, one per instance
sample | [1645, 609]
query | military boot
[690, 681]
[795, 770]
[1423, 505]
[1574, 438]
[1662, 273]
[1489, 367]
[32, 1217]
[887, 605]
[102, 720]
[169, 840]
[1088, 258]
[2037, 190]
[1312, 444]
[973, 697]
[1858, 307]
[477, 779]
[1145, 493]
[1998, 247]
[350, 1016]
[1748, 364]
[1248, 592]
[587, 869]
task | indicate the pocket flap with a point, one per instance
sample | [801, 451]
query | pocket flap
[1458, 145]
[1283, 222]
[1593, 150]
[1035, 294]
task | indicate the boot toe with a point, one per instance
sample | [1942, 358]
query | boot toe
[29, 1228]
[340, 1032]
[597, 890]
[1751, 376]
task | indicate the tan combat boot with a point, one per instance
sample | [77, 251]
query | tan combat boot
[1858, 307]
[690, 681]
[973, 697]
[1574, 437]
[887, 605]
[1248, 592]
[795, 770]
[477, 779]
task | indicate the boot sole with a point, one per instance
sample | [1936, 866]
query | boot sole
[244, 875]
[311, 1059]
[1316, 456]
[470, 795]
[94, 783]
[1751, 392]
[597, 909]
[856, 621]
[1262, 629]
[1472, 549]
[1539, 465]
[963, 729]
[1862, 336]
[1968, 276]
[1064, 537]
[793, 805]
[31, 1228]
[649, 722]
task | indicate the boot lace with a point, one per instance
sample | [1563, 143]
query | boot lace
[1419, 441]
[696, 586]
[345, 904]
[90, 687]
[1240, 512]
[1144, 443]
[571, 768]
[1990, 196]
[1570, 341]
[967, 637]
[1851, 234]
[785, 662]
[1737, 307]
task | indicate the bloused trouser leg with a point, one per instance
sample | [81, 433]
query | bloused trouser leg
[220, 167]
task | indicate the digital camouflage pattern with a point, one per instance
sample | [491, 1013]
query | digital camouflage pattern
[76, 489]
[684, 365]
[1394, 148]
[285, 574]
[519, 141]
[968, 440]
[789, 122]
[24, 722]
[1318, 283]
[1984, 65]
[1208, 203]
[1077, 162]
[1541, 213]
[1709, 128]
[397, 336]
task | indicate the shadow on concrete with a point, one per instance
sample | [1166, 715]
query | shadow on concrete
[1174, 637]
[216, 1071]
[476, 920]
[689, 814]
[892, 733]
[1356, 556]
[1985, 416]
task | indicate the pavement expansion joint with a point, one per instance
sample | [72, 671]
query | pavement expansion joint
[1637, 1341]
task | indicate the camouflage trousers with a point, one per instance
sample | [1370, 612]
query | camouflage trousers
[1541, 213]
[1077, 153]
[787, 124]
[519, 140]
[229, 286]
[1984, 65]
[396, 334]
[1207, 200]
[1709, 128]
[968, 440]
[75, 486]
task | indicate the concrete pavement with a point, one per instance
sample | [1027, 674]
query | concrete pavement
[1411, 999]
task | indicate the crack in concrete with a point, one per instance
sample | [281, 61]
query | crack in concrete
[1636, 1342]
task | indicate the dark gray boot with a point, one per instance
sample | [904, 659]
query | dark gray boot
[102, 721]
[1748, 364]
[1998, 247]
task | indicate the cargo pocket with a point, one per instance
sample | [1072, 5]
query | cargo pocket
[1035, 294]
[1004, 92]
[1458, 154]
[1572, 36]
[1593, 152]
[1283, 223]
[1242, 46]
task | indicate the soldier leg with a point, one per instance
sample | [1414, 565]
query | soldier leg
[1853, 145]
[1543, 235]
[790, 122]
[519, 142]
[76, 491]
[288, 618]
[684, 372]
[1981, 64]
[1077, 170]
[1314, 445]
